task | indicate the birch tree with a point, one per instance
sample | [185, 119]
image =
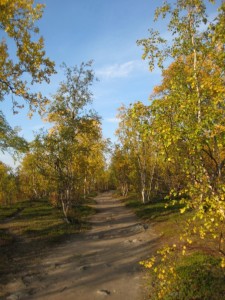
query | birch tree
[188, 113]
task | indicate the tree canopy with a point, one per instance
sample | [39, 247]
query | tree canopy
[23, 61]
[17, 20]
[176, 144]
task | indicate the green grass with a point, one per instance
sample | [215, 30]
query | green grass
[200, 276]
[39, 220]
[8, 211]
[37, 227]
[153, 211]
[34, 231]
[164, 219]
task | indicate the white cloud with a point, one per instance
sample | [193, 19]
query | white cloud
[121, 70]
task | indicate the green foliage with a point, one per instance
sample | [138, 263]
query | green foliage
[9, 188]
[136, 160]
[199, 277]
[17, 21]
[176, 145]
[67, 162]
[9, 139]
[22, 68]
[120, 170]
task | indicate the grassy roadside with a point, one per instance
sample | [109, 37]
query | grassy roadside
[164, 220]
[200, 276]
[30, 228]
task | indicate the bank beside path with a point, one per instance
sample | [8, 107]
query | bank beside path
[101, 263]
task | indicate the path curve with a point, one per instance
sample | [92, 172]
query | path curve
[99, 264]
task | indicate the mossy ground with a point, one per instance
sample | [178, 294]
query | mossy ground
[200, 276]
[30, 227]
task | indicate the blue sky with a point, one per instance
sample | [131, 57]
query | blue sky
[105, 31]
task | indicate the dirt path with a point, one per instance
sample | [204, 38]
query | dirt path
[100, 264]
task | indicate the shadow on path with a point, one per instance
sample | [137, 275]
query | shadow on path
[101, 263]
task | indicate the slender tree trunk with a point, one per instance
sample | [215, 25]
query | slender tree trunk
[142, 170]
[65, 205]
[151, 180]
[65, 212]
[191, 22]
[85, 187]
[143, 195]
[124, 189]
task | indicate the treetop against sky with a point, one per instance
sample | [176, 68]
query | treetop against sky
[105, 31]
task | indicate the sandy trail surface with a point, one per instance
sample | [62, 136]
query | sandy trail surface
[99, 264]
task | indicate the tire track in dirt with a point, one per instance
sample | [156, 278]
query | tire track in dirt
[102, 263]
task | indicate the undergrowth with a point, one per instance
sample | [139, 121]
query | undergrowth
[199, 275]
[30, 227]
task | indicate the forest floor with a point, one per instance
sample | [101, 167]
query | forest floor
[98, 264]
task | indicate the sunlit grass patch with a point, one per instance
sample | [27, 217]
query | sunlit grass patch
[50, 224]
[153, 210]
[40, 221]
[164, 217]
[199, 274]
[199, 277]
